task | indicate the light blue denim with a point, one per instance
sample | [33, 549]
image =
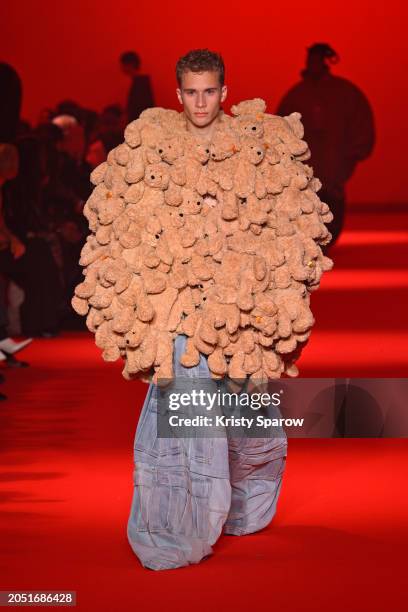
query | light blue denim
[187, 491]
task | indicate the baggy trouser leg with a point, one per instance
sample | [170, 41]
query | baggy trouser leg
[176, 516]
[182, 492]
[256, 468]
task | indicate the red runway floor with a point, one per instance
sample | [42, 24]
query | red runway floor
[339, 539]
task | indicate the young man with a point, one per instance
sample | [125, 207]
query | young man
[201, 90]
[189, 490]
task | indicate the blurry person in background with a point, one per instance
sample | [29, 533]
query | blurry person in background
[112, 122]
[85, 117]
[11, 247]
[140, 94]
[71, 240]
[12, 251]
[339, 127]
[72, 176]
[73, 142]
[108, 135]
[49, 191]
[32, 267]
[10, 103]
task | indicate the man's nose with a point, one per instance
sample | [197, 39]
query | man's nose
[200, 99]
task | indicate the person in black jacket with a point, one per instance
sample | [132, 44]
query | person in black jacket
[140, 94]
[339, 126]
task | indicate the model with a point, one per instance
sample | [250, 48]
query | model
[205, 246]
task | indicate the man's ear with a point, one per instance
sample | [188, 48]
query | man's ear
[178, 92]
[224, 92]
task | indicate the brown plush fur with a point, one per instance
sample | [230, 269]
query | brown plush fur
[218, 241]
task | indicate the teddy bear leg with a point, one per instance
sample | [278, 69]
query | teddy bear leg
[256, 467]
[182, 492]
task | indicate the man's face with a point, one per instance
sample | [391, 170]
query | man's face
[201, 95]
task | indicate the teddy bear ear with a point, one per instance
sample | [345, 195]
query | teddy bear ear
[294, 120]
[132, 134]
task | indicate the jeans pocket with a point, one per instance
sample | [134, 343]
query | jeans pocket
[162, 501]
[179, 515]
[200, 492]
[141, 500]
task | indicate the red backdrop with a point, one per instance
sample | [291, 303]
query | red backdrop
[70, 50]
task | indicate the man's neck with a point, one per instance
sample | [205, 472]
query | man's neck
[206, 132]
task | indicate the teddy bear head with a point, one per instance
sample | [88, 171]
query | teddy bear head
[256, 106]
[192, 203]
[170, 149]
[157, 176]
[200, 151]
[224, 145]
[253, 150]
[249, 125]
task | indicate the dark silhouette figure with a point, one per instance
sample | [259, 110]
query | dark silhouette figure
[140, 93]
[339, 126]
[10, 103]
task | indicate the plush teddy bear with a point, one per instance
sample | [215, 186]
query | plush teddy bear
[219, 241]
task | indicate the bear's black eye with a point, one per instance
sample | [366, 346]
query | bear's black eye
[157, 236]
[253, 128]
[198, 203]
[160, 150]
[181, 214]
[207, 151]
[258, 152]
[204, 298]
[212, 154]
[152, 176]
[291, 157]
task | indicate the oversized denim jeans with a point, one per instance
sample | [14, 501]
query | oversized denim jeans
[187, 491]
